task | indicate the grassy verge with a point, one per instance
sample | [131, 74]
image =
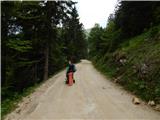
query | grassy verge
[136, 65]
[11, 102]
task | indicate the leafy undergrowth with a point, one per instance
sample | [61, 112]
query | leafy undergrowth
[13, 99]
[136, 65]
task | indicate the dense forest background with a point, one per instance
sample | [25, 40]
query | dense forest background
[37, 40]
[128, 49]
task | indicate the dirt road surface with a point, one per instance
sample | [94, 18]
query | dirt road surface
[91, 97]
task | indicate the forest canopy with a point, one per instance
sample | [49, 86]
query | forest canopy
[38, 37]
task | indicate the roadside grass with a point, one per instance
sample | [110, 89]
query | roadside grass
[140, 74]
[12, 101]
[13, 98]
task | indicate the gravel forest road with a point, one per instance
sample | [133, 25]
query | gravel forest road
[91, 97]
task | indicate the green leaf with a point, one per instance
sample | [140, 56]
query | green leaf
[19, 45]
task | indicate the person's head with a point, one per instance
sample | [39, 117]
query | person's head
[70, 62]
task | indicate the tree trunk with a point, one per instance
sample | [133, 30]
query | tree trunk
[46, 54]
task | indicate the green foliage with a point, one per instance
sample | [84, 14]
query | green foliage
[74, 37]
[19, 45]
[140, 72]
[95, 39]
[128, 49]
[13, 99]
[132, 17]
[154, 31]
[35, 36]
